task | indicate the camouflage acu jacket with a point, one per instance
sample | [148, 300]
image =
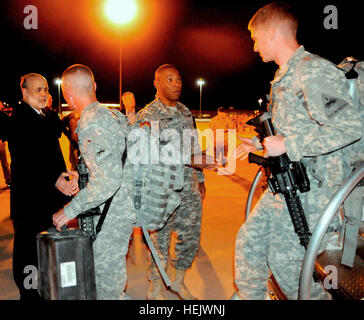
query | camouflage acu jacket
[102, 143]
[311, 107]
[182, 121]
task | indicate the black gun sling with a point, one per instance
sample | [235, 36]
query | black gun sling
[103, 215]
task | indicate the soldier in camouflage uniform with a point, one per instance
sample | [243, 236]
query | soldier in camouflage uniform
[315, 122]
[223, 122]
[102, 143]
[186, 221]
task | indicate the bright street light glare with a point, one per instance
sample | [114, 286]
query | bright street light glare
[58, 81]
[200, 82]
[120, 11]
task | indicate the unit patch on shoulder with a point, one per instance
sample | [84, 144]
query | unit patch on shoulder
[333, 105]
[101, 154]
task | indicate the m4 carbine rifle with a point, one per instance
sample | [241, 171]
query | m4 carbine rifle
[284, 176]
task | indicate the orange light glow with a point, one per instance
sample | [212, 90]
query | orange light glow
[121, 11]
[222, 48]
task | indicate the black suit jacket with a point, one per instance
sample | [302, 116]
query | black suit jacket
[4, 121]
[36, 163]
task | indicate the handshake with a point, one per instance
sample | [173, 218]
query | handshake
[67, 183]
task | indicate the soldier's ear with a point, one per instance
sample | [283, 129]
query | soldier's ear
[272, 32]
[95, 86]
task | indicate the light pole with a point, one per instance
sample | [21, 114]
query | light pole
[200, 82]
[260, 101]
[58, 82]
[120, 12]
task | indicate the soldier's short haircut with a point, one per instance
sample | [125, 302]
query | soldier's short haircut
[24, 79]
[273, 12]
[78, 68]
[164, 67]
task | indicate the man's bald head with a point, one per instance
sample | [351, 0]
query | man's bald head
[24, 80]
[163, 68]
[168, 83]
[78, 86]
[34, 88]
[80, 78]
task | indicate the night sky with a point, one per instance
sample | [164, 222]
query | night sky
[202, 38]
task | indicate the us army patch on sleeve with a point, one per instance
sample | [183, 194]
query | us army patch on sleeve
[101, 154]
[333, 105]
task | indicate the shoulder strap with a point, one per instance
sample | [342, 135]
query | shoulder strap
[103, 215]
[155, 256]
[352, 77]
[353, 207]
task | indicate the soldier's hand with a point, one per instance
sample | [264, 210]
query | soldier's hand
[128, 101]
[274, 146]
[129, 104]
[73, 181]
[60, 219]
[67, 184]
[74, 174]
[243, 149]
[131, 116]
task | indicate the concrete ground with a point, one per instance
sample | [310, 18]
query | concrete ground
[211, 275]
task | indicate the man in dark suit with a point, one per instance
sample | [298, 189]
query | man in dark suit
[39, 177]
[4, 118]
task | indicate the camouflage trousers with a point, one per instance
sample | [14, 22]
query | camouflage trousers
[267, 241]
[186, 223]
[111, 246]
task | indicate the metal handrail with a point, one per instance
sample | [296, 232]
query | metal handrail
[251, 193]
[331, 210]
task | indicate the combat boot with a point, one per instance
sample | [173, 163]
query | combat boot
[156, 290]
[178, 286]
